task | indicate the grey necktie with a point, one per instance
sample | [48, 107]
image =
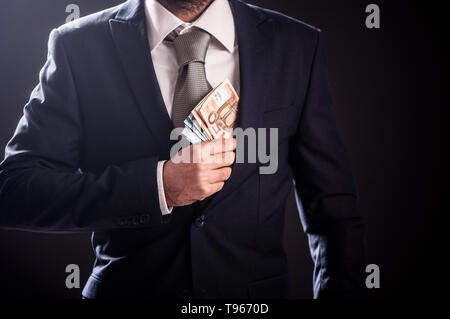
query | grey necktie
[191, 85]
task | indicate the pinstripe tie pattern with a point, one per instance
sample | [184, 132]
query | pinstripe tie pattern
[191, 84]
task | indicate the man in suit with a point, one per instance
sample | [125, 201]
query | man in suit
[91, 153]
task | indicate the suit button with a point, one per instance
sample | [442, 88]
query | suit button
[200, 221]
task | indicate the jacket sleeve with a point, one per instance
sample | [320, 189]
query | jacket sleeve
[41, 186]
[326, 192]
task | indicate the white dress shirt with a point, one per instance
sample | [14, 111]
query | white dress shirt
[221, 61]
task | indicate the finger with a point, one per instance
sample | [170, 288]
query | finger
[207, 190]
[219, 175]
[220, 145]
[214, 188]
[219, 160]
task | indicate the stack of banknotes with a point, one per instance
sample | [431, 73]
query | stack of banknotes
[214, 116]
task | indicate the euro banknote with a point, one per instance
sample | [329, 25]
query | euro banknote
[214, 116]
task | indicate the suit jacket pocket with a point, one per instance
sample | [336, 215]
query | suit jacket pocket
[270, 288]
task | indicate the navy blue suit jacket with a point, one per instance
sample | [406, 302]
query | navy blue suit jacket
[84, 157]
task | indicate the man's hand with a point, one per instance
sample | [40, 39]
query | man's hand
[204, 175]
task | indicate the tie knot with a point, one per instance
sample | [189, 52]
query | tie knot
[191, 46]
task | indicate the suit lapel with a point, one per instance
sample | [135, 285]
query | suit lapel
[129, 32]
[254, 63]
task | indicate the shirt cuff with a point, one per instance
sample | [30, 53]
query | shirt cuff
[162, 197]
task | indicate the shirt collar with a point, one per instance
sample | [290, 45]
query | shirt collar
[216, 20]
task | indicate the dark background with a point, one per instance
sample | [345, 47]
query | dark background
[390, 92]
